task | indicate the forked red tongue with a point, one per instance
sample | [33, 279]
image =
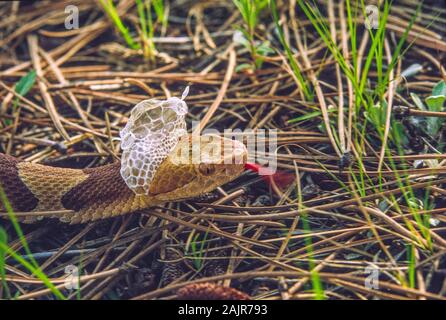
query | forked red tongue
[280, 178]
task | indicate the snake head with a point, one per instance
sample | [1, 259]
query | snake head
[160, 160]
[198, 164]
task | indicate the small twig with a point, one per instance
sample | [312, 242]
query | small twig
[221, 93]
[33, 48]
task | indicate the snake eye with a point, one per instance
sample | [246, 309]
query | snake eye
[206, 169]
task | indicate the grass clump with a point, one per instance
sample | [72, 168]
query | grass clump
[250, 11]
[146, 9]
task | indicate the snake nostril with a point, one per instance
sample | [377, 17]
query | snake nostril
[206, 169]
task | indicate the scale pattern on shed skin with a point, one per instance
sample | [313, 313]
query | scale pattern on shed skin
[99, 193]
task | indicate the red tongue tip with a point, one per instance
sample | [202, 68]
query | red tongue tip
[280, 178]
[253, 167]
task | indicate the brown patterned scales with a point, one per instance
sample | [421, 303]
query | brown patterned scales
[160, 163]
[78, 196]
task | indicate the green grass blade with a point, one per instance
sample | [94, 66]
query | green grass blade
[111, 11]
[35, 271]
[3, 240]
[32, 265]
[289, 53]
[26, 83]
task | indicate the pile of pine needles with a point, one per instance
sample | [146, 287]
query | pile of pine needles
[359, 118]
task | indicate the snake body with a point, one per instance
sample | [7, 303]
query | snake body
[77, 196]
[160, 162]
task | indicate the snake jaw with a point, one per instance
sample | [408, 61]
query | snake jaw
[234, 160]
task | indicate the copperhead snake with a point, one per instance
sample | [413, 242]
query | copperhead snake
[149, 172]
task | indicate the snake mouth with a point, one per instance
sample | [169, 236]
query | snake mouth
[234, 161]
[210, 175]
